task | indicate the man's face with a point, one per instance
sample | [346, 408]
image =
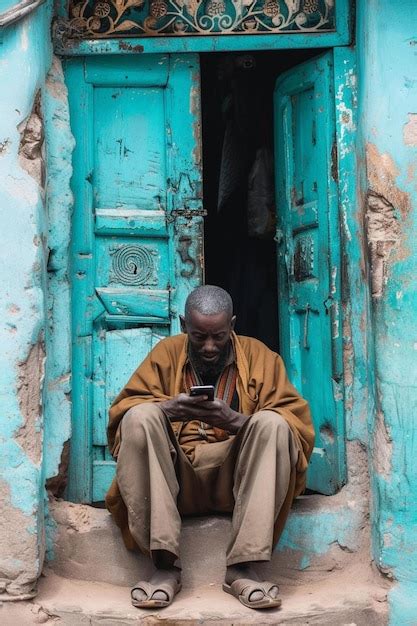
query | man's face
[209, 337]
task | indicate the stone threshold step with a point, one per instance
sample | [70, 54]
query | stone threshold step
[339, 601]
[321, 534]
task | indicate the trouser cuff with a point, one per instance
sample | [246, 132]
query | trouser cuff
[246, 558]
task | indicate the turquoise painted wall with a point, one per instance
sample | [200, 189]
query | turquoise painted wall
[25, 56]
[387, 53]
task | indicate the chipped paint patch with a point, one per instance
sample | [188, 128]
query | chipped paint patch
[383, 235]
[410, 130]
[195, 94]
[382, 446]
[31, 143]
[348, 358]
[29, 390]
[382, 174]
[387, 207]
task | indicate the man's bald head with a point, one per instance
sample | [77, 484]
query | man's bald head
[208, 323]
[209, 300]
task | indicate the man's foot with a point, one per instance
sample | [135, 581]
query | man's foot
[243, 582]
[159, 591]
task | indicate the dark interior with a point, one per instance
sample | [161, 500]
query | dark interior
[239, 197]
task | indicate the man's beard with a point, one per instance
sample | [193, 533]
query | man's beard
[209, 370]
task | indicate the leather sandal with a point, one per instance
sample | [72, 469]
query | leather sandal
[170, 587]
[242, 588]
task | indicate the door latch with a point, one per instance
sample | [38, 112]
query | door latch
[279, 236]
[187, 213]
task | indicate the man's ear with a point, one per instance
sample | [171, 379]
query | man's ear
[183, 324]
[233, 322]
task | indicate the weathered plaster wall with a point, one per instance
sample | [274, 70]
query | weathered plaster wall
[25, 54]
[387, 52]
[59, 147]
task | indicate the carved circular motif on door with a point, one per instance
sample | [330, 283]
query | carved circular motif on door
[133, 265]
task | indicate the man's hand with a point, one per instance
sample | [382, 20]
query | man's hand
[214, 412]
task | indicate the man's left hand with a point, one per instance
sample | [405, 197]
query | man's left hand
[219, 414]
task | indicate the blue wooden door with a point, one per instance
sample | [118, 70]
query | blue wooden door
[137, 231]
[309, 256]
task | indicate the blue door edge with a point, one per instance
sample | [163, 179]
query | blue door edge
[344, 258]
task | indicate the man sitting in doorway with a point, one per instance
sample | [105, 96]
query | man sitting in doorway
[245, 452]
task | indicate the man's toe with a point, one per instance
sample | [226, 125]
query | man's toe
[139, 594]
[256, 595]
[160, 595]
[274, 592]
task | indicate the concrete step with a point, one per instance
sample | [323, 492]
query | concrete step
[322, 566]
[345, 598]
[322, 534]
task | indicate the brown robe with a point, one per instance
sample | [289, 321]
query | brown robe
[262, 383]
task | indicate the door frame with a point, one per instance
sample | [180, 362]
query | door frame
[65, 44]
[354, 286]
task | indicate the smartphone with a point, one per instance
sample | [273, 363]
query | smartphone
[203, 390]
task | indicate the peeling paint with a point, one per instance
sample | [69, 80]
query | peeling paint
[382, 179]
[128, 47]
[195, 111]
[31, 143]
[410, 130]
[382, 446]
[383, 235]
[387, 207]
[29, 390]
[348, 358]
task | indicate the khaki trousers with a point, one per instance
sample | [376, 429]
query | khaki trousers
[250, 475]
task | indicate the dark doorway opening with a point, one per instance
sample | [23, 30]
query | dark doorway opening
[238, 179]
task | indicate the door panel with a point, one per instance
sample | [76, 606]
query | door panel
[137, 232]
[309, 257]
[132, 147]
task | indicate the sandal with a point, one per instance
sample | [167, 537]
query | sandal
[170, 587]
[242, 588]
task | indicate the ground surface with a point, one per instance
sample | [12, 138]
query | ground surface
[349, 597]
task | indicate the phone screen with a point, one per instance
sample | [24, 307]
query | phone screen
[203, 390]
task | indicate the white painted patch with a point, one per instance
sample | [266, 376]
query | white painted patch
[24, 40]
[415, 345]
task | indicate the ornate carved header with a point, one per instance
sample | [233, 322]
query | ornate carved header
[95, 19]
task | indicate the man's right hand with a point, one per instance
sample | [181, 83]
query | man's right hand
[184, 407]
